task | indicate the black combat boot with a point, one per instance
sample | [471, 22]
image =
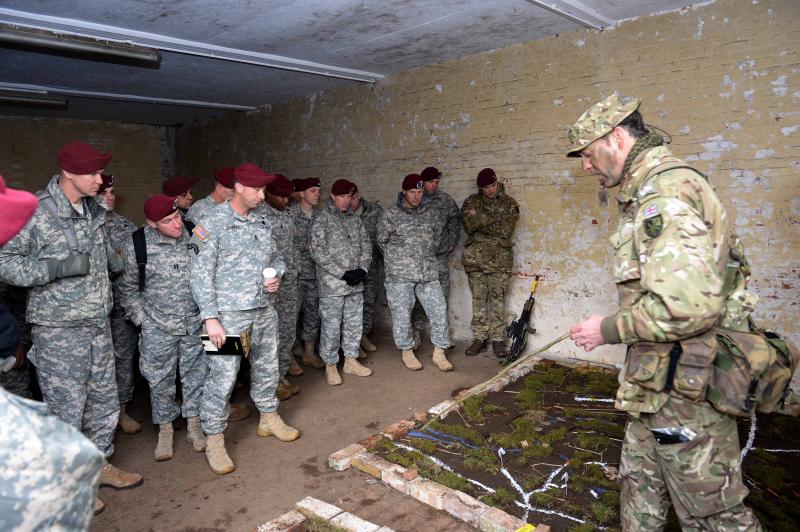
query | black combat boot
[478, 346]
[499, 349]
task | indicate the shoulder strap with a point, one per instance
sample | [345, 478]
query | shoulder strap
[67, 226]
[140, 249]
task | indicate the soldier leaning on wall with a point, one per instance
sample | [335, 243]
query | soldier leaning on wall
[671, 250]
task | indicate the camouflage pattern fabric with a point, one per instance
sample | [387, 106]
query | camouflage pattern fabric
[199, 208]
[598, 121]
[222, 369]
[490, 232]
[488, 305]
[308, 294]
[341, 326]
[308, 305]
[370, 214]
[418, 316]
[48, 470]
[284, 232]
[703, 477]
[17, 381]
[75, 370]
[401, 297]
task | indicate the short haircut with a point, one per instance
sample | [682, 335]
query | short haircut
[634, 125]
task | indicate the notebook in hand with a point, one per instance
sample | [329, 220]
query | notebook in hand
[234, 345]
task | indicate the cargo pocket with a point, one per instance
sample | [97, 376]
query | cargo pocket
[647, 365]
[694, 367]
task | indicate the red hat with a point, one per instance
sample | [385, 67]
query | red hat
[342, 187]
[16, 208]
[281, 186]
[251, 175]
[224, 176]
[305, 184]
[486, 177]
[81, 158]
[108, 182]
[430, 173]
[412, 181]
[159, 206]
[177, 185]
[355, 187]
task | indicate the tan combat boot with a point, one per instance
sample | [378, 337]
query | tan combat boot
[410, 360]
[294, 389]
[440, 360]
[294, 368]
[218, 459]
[361, 353]
[353, 367]
[238, 412]
[118, 479]
[282, 392]
[194, 434]
[127, 423]
[332, 375]
[367, 345]
[99, 506]
[163, 450]
[310, 358]
[272, 424]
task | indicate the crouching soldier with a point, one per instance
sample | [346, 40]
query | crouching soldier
[157, 297]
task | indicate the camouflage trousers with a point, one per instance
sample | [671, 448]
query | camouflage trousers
[161, 355]
[371, 287]
[124, 335]
[48, 470]
[418, 316]
[341, 326]
[703, 477]
[308, 296]
[401, 297]
[75, 370]
[222, 369]
[287, 305]
[17, 381]
[488, 305]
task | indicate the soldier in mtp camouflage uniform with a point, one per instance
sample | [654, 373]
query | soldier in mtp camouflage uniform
[15, 376]
[342, 252]
[489, 218]
[223, 190]
[370, 213]
[64, 256]
[448, 216]
[671, 251]
[170, 322]
[123, 333]
[234, 277]
[275, 210]
[180, 188]
[304, 213]
[409, 235]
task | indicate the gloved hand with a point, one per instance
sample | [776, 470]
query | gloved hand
[351, 277]
[72, 266]
[362, 274]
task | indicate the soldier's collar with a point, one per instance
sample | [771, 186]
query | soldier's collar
[639, 170]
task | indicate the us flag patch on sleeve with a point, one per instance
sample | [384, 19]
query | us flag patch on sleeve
[200, 232]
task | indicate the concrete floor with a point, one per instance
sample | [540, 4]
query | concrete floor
[183, 493]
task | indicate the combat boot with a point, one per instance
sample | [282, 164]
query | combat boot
[164, 446]
[99, 506]
[297, 349]
[310, 358]
[361, 353]
[294, 368]
[410, 360]
[367, 344]
[238, 412]
[294, 389]
[332, 375]
[217, 456]
[353, 367]
[417, 339]
[499, 349]
[194, 434]
[440, 360]
[118, 479]
[283, 392]
[127, 423]
[478, 346]
[272, 424]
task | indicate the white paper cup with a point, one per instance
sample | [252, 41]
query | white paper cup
[269, 273]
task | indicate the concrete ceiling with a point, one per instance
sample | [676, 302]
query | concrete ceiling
[215, 53]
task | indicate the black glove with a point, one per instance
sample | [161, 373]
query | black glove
[72, 266]
[362, 274]
[351, 277]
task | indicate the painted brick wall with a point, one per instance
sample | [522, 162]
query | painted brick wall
[722, 79]
[143, 155]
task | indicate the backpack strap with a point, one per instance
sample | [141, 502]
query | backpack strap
[140, 249]
[67, 226]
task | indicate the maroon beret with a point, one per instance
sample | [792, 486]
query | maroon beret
[412, 181]
[251, 175]
[16, 208]
[159, 206]
[486, 177]
[224, 176]
[342, 187]
[430, 173]
[355, 187]
[281, 186]
[177, 185]
[108, 182]
[81, 158]
[297, 183]
[305, 184]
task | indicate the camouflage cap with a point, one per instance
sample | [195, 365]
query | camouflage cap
[598, 121]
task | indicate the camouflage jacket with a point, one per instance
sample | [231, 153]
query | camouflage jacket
[671, 252]
[370, 214]
[73, 301]
[284, 231]
[166, 300]
[490, 244]
[232, 252]
[119, 230]
[448, 215]
[409, 239]
[339, 243]
[198, 209]
[306, 268]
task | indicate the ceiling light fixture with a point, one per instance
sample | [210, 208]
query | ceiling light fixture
[31, 99]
